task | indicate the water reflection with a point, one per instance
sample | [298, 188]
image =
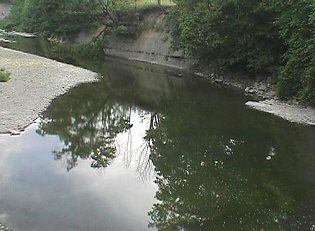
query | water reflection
[219, 172]
[86, 133]
[38, 193]
[218, 165]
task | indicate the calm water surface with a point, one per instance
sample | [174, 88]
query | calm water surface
[144, 150]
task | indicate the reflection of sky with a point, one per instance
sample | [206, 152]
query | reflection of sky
[37, 193]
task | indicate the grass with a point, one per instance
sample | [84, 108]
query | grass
[4, 75]
[140, 4]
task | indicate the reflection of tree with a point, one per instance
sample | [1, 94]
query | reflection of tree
[145, 167]
[219, 167]
[214, 178]
[87, 126]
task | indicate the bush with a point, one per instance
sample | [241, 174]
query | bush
[275, 36]
[64, 52]
[4, 75]
[297, 23]
[121, 31]
[53, 16]
[230, 34]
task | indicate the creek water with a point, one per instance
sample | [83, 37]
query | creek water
[142, 149]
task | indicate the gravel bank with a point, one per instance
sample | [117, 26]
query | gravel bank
[34, 82]
[292, 113]
[4, 228]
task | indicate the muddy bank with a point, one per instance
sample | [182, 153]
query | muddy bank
[34, 82]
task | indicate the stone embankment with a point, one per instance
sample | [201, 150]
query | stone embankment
[35, 81]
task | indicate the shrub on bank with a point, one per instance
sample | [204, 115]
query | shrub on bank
[4, 75]
[296, 21]
[269, 36]
[64, 52]
[230, 34]
[53, 17]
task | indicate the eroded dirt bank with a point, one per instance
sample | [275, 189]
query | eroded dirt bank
[34, 82]
[148, 40]
[5, 9]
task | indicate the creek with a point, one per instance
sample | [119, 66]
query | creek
[145, 149]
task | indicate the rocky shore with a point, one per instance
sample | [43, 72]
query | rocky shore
[264, 96]
[4, 228]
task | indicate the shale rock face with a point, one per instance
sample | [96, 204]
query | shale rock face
[149, 42]
[5, 9]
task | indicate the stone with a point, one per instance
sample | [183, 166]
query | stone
[5, 40]
[262, 87]
[251, 91]
[21, 34]
[218, 80]
[15, 133]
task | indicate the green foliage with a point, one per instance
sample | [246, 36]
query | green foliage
[124, 4]
[53, 16]
[277, 37]
[232, 34]
[121, 31]
[4, 75]
[6, 24]
[297, 23]
[64, 17]
[63, 52]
